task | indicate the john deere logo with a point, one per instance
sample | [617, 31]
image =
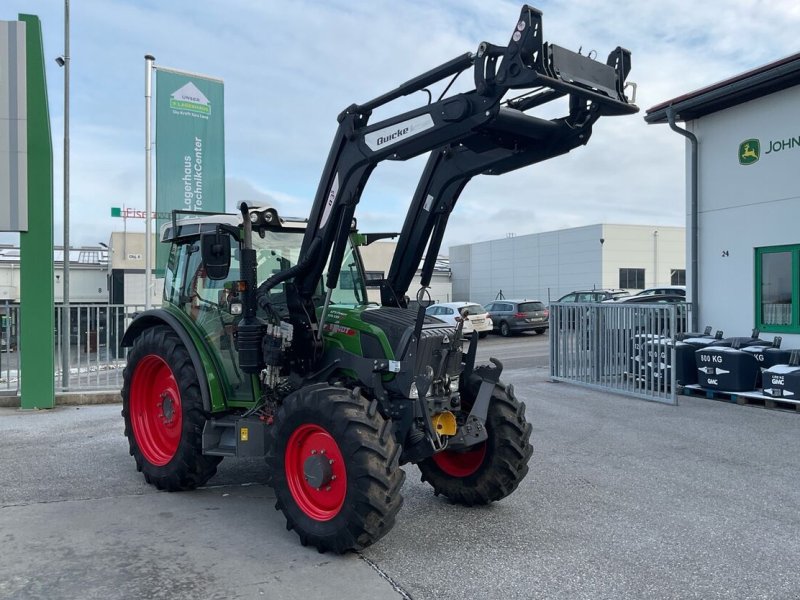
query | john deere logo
[749, 151]
[189, 98]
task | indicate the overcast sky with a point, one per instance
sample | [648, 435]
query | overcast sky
[290, 67]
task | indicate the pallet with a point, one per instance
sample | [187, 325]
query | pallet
[741, 398]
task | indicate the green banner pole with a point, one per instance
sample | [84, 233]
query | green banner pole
[37, 315]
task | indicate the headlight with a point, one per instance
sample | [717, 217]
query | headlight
[413, 392]
[454, 384]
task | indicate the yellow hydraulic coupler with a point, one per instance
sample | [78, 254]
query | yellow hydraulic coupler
[444, 423]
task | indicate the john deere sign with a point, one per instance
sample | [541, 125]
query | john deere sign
[750, 150]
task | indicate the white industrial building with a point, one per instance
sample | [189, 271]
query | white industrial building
[545, 266]
[88, 273]
[377, 258]
[743, 213]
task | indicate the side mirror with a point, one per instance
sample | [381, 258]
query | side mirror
[215, 249]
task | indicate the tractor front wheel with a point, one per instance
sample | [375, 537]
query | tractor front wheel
[335, 468]
[491, 470]
[163, 411]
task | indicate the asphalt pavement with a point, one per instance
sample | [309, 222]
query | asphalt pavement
[625, 499]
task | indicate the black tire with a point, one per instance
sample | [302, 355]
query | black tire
[504, 463]
[160, 347]
[541, 330]
[505, 330]
[482, 334]
[370, 456]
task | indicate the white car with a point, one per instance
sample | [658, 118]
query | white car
[475, 316]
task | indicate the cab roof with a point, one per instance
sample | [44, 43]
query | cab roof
[190, 226]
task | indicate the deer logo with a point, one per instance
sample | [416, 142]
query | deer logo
[749, 151]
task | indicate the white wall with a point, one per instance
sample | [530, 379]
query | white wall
[87, 284]
[126, 250]
[545, 266]
[135, 289]
[528, 266]
[378, 257]
[743, 207]
[656, 249]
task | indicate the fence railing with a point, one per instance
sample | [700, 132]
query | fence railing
[622, 347]
[95, 359]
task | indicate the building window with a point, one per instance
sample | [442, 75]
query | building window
[776, 284]
[677, 277]
[632, 279]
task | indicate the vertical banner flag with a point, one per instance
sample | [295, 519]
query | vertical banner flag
[190, 148]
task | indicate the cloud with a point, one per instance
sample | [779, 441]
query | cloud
[291, 67]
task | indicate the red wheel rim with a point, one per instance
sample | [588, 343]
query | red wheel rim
[461, 464]
[311, 446]
[155, 407]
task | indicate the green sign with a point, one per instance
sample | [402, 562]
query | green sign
[190, 147]
[749, 151]
[37, 317]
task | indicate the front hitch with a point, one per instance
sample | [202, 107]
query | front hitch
[473, 431]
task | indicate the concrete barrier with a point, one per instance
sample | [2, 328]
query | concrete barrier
[70, 399]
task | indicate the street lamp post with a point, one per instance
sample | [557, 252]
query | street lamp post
[63, 61]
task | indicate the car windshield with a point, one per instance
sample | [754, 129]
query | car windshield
[616, 295]
[530, 306]
[472, 309]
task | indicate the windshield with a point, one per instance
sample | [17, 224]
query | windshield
[280, 250]
[276, 252]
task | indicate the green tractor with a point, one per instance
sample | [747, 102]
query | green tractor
[266, 344]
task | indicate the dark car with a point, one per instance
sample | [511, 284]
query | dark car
[514, 316]
[681, 311]
[594, 295]
[656, 299]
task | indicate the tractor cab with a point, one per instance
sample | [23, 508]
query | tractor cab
[210, 296]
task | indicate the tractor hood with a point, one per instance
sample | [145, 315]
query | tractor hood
[377, 332]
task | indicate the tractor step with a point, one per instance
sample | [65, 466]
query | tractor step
[235, 436]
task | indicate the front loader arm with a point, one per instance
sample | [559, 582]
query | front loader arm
[525, 63]
[447, 173]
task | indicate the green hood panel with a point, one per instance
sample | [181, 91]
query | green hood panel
[345, 328]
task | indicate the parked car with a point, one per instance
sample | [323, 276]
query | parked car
[655, 298]
[664, 290]
[514, 316]
[594, 295]
[475, 316]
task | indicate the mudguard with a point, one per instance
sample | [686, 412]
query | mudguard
[208, 378]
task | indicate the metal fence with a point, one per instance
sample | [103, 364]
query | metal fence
[621, 347]
[95, 360]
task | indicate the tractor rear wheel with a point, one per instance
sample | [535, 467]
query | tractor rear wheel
[335, 468]
[163, 411]
[491, 470]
